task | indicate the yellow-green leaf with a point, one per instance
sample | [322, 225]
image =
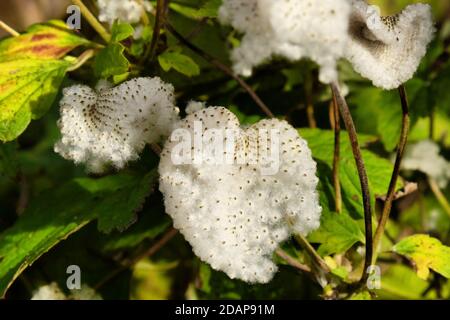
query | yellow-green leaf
[427, 253]
[51, 40]
[180, 62]
[27, 89]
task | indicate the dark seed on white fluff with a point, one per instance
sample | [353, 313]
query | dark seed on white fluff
[236, 224]
[111, 126]
[388, 50]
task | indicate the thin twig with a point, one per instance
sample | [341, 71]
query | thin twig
[439, 195]
[93, 20]
[336, 156]
[309, 101]
[395, 174]
[160, 20]
[364, 181]
[292, 261]
[146, 254]
[8, 29]
[312, 252]
[222, 67]
[82, 59]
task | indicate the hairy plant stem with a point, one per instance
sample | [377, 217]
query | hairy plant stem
[8, 29]
[350, 126]
[312, 252]
[336, 156]
[93, 20]
[146, 254]
[292, 261]
[160, 21]
[439, 195]
[222, 67]
[395, 174]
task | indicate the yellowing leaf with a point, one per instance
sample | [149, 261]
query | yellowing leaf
[51, 40]
[27, 89]
[427, 253]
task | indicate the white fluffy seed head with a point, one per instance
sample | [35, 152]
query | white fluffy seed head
[425, 156]
[129, 11]
[292, 29]
[111, 126]
[49, 292]
[53, 292]
[233, 216]
[388, 50]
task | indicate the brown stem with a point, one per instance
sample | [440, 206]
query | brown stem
[312, 252]
[292, 261]
[395, 174]
[309, 102]
[160, 20]
[439, 195]
[350, 126]
[146, 254]
[92, 20]
[336, 156]
[222, 67]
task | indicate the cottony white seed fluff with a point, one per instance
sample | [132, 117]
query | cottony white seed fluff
[129, 11]
[111, 126]
[233, 215]
[425, 156]
[388, 50]
[292, 29]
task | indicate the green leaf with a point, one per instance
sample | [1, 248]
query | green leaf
[129, 192]
[426, 253]
[361, 295]
[8, 160]
[51, 40]
[244, 119]
[57, 214]
[421, 130]
[121, 31]
[337, 233]
[209, 9]
[153, 280]
[400, 282]
[151, 224]
[217, 285]
[379, 170]
[180, 62]
[111, 61]
[28, 88]
[382, 110]
[440, 89]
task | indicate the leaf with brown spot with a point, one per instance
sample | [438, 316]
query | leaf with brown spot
[426, 253]
[51, 40]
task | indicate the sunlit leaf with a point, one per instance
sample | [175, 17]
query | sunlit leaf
[426, 253]
[51, 40]
[27, 90]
